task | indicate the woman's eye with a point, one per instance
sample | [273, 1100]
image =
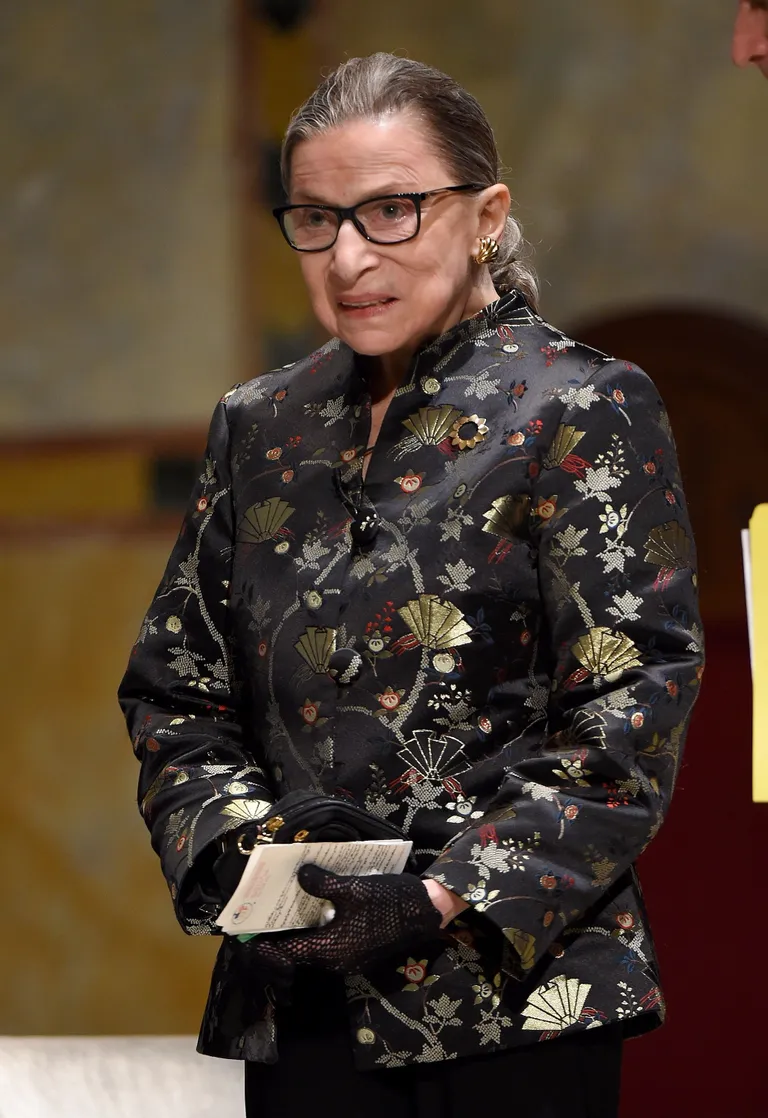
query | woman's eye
[316, 219]
[391, 211]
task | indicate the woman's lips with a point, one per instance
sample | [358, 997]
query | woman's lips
[366, 308]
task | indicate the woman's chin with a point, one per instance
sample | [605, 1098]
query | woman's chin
[372, 341]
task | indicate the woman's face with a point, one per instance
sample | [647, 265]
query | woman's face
[750, 35]
[388, 299]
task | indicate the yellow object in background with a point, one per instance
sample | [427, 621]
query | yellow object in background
[758, 551]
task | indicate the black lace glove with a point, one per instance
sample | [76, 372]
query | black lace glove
[270, 970]
[376, 917]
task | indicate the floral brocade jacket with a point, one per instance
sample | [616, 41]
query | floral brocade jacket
[492, 642]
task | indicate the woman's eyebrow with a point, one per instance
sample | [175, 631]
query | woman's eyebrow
[305, 198]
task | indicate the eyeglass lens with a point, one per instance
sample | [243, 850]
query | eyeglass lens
[385, 220]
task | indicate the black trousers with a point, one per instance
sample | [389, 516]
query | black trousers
[315, 1077]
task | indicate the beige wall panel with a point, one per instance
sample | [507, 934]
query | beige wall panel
[74, 483]
[89, 943]
[116, 236]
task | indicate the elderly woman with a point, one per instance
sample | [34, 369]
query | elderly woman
[441, 568]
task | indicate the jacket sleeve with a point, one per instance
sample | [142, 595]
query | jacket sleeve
[620, 634]
[199, 778]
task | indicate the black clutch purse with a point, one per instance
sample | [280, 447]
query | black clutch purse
[310, 817]
[299, 817]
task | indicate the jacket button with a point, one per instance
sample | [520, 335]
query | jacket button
[313, 599]
[366, 1036]
[364, 528]
[345, 666]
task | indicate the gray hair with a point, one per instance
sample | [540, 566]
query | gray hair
[365, 88]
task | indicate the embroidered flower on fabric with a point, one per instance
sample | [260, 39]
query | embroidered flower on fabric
[451, 696]
[390, 698]
[410, 482]
[614, 519]
[516, 390]
[309, 712]
[573, 769]
[546, 508]
[485, 990]
[479, 897]
[463, 809]
[416, 975]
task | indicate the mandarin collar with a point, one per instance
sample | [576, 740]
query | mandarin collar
[511, 304]
[512, 307]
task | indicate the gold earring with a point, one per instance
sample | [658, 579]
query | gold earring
[489, 250]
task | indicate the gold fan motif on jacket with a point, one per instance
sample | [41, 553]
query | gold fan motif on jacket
[262, 522]
[432, 425]
[434, 623]
[556, 1006]
[563, 444]
[668, 547]
[606, 653]
[153, 789]
[245, 811]
[525, 946]
[316, 646]
[508, 516]
[587, 730]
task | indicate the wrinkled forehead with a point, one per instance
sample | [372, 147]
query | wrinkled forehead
[361, 158]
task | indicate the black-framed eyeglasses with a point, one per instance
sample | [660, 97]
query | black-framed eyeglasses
[389, 219]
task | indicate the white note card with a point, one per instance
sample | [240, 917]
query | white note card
[746, 553]
[268, 897]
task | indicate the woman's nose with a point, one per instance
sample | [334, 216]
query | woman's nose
[750, 35]
[352, 253]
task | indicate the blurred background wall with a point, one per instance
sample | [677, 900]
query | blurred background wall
[116, 224]
[117, 312]
[140, 276]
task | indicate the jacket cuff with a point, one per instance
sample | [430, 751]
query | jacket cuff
[529, 925]
[194, 881]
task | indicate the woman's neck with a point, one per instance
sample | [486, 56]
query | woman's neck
[387, 372]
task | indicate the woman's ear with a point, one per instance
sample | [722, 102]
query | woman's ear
[495, 203]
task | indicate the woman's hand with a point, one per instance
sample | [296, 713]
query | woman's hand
[447, 903]
[375, 916]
